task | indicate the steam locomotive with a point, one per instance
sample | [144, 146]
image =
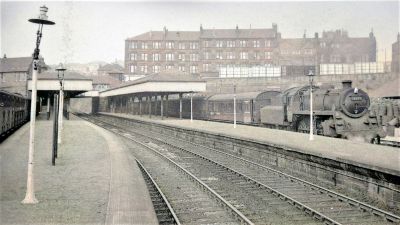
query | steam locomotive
[342, 113]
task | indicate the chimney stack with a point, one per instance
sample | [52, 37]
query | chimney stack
[316, 35]
[165, 31]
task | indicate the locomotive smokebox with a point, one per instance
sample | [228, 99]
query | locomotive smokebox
[346, 84]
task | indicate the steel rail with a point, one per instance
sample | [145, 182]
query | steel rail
[340, 197]
[352, 202]
[171, 210]
[315, 214]
[238, 215]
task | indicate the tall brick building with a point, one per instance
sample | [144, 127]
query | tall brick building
[206, 51]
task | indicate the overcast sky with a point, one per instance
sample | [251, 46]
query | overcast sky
[91, 31]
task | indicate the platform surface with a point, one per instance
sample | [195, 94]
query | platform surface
[95, 180]
[376, 157]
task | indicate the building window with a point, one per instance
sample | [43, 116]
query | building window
[193, 69]
[256, 44]
[144, 56]
[268, 43]
[206, 67]
[230, 55]
[169, 57]
[219, 55]
[230, 44]
[132, 68]
[244, 55]
[181, 45]
[181, 57]
[21, 77]
[257, 55]
[296, 52]
[170, 45]
[133, 56]
[268, 55]
[335, 58]
[206, 44]
[134, 45]
[168, 67]
[193, 45]
[206, 55]
[182, 68]
[156, 57]
[143, 69]
[156, 45]
[308, 51]
[144, 45]
[156, 69]
[193, 57]
[219, 44]
[243, 43]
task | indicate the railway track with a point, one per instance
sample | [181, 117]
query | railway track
[262, 193]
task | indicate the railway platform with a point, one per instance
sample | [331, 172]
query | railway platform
[374, 157]
[88, 185]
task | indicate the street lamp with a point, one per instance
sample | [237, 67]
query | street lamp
[61, 69]
[41, 20]
[311, 77]
[234, 106]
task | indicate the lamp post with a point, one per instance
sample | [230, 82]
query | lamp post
[61, 69]
[311, 77]
[234, 106]
[41, 20]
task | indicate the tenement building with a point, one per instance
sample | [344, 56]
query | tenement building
[242, 52]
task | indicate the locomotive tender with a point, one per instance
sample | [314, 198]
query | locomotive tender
[340, 113]
[13, 112]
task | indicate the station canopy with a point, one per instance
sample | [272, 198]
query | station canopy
[74, 83]
[164, 83]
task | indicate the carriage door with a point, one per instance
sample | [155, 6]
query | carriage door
[252, 110]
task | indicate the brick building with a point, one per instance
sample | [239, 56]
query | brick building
[114, 70]
[206, 51]
[396, 55]
[14, 73]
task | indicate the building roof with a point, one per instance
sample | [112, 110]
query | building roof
[296, 43]
[205, 33]
[20, 64]
[169, 75]
[105, 80]
[238, 33]
[170, 35]
[68, 75]
[112, 68]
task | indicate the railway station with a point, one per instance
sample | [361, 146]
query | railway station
[216, 126]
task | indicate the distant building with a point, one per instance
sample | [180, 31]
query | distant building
[14, 73]
[101, 83]
[206, 51]
[114, 70]
[396, 55]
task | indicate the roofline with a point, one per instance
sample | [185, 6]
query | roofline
[154, 81]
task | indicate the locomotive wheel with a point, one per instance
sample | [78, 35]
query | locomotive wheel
[303, 126]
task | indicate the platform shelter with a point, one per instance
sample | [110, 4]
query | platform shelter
[152, 88]
[49, 84]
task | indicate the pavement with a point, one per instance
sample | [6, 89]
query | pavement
[376, 157]
[94, 181]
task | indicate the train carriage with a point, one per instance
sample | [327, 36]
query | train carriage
[13, 112]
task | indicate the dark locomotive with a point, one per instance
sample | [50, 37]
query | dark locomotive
[13, 112]
[342, 113]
